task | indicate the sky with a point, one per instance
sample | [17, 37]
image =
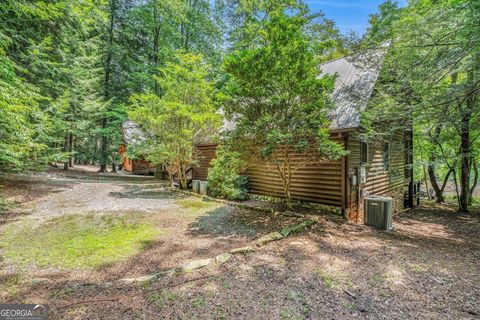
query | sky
[348, 14]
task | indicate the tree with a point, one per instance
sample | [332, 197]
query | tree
[432, 76]
[275, 94]
[25, 128]
[182, 117]
[382, 23]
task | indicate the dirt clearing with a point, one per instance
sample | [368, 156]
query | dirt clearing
[429, 268]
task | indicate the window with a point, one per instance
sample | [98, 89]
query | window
[363, 152]
[386, 156]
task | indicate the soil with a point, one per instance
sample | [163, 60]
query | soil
[428, 268]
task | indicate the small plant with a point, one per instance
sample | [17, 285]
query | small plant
[328, 280]
[378, 277]
[163, 298]
[224, 178]
[199, 302]
[349, 306]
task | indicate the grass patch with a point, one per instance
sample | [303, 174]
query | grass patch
[76, 241]
[194, 203]
[194, 207]
[11, 285]
[5, 205]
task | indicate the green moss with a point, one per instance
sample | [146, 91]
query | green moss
[195, 207]
[76, 241]
[194, 203]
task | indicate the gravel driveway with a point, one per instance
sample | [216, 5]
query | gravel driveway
[52, 195]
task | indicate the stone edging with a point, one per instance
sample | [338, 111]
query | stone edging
[223, 257]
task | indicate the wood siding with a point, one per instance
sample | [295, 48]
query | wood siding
[379, 181]
[205, 153]
[322, 182]
[328, 182]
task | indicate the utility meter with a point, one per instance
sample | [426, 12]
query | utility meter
[353, 176]
[362, 174]
[353, 180]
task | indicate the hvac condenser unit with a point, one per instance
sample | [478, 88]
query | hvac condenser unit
[203, 187]
[378, 212]
[196, 186]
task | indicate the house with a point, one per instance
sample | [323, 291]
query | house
[138, 165]
[370, 168]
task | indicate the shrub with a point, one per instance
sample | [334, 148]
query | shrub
[224, 178]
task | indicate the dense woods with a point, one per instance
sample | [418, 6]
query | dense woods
[72, 71]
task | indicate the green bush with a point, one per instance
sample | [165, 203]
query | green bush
[224, 178]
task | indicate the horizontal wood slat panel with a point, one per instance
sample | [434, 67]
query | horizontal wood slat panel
[205, 154]
[320, 182]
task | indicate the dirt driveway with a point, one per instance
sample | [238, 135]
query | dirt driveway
[429, 268]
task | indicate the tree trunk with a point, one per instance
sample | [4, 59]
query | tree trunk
[285, 175]
[107, 93]
[65, 149]
[465, 154]
[103, 150]
[426, 182]
[70, 149]
[455, 180]
[475, 179]
[182, 178]
[439, 198]
[433, 181]
[114, 167]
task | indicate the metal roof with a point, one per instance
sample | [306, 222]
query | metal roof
[355, 79]
[132, 133]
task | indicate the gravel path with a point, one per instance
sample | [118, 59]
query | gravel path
[48, 196]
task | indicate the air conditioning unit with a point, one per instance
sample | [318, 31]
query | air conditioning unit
[203, 187]
[378, 212]
[196, 186]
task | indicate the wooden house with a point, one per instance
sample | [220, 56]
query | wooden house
[370, 168]
[137, 165]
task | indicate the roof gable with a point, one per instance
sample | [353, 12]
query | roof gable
[355, 79]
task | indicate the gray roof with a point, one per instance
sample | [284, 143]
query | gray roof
[355, 79]
[132, 134]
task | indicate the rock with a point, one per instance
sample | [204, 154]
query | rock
[242, 250]
[146, 278]
[40, 281]
[196, 264]
[301, 226]
[296, 243]
[269, 238]
[222, 258]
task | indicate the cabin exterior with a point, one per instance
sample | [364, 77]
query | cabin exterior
[138, 165]
[370, 168]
